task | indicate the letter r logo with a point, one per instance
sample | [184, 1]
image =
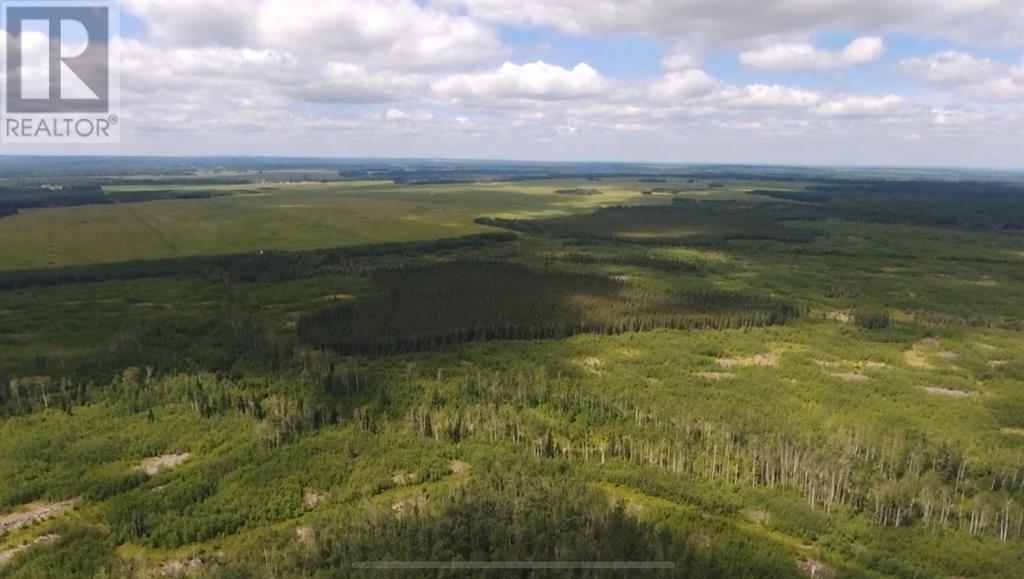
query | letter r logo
[58, 59]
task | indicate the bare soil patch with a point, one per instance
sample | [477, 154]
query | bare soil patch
[7, 555]
[590, 364]
[181, 567]
[816, 569]
[715, 376]
[850, 376]
[305, 536]
[995, 363]
[917, 355]
[409, 506]
[155, 464]
[336, 297]
[312, 498]
[755, 360]
[699, 541]
[952, 393]
[839, 316]
[404, 477]
[757, 516]
[38, 512]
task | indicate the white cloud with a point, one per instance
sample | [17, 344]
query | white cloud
[400, 115]
[978, 78]
[953, 118]
[695, 86]
[426, 79]
[342, 82]
[856, 106]
[687, 84]
[680, 60]
[1006, 90]
[805, 56]
[950, 67]
[748, 22]
[761, 95]
[402, 34]
[538, 81]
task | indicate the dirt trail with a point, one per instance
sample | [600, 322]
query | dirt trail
[715, 375]
[155, 464]
[37, 513]
[6, 556]
[755, 360]
[850, 376]
[940, 391]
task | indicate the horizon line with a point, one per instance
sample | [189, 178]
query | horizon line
[898, 167]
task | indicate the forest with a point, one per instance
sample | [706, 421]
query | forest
[793, 374]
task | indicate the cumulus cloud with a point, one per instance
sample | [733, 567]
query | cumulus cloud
[687, 84]
[680, 60]
[396, 115]
[422, 78]
[856, 106]
[343, 82]
[955, 118]
[978, 78]
[805, 56]
[761, 95]
[695, 86]
[979, 21]
[402, 34]
[950, 67]
[538, 81]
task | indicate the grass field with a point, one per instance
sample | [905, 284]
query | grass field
[295, 216]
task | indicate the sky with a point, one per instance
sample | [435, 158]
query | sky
[797, 82]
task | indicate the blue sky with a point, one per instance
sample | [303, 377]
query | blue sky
[838, 83]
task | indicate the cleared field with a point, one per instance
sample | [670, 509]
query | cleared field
[294, 216]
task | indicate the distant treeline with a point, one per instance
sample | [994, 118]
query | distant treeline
[137, 181]
[631, 260]
[263, 266]
[435, 307]
[162, 195]
[577, 191]
[14, 198]
[954, 204]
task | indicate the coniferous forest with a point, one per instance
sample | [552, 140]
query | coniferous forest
[727, 375]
